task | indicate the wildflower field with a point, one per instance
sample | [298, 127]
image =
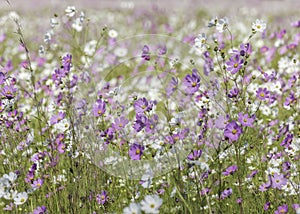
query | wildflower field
[149, 107]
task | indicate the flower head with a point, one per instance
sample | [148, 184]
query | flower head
[99, 108]
[101, 198]
[262, 94]
[142, 105]
[232, 131]
[38, 183]
[282, 209]
[226, 193]
[222, 24]
[200, 41]
[21, 198]
[245, 120]
[132, 208]
[40, 210]
[136, 151]
[151, 204]
[234, 64]
[259, 25]
[230, 170]
[192, 82]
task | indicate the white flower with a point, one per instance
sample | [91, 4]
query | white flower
[11, 176]
[200, 41]
[259, 25]
[151, 204]
[222, 24]
[47, 37]
[77, 25]
[133, 208]
[298, 210]
[112, 33]
[53, 22]
[21, 198]
[90, 47]
[10, 195]
[70, 11]
[120, 52]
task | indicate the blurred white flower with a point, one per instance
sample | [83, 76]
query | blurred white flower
[77, 25]
[132, 208]
[90, 47]
[112, 33]
[259, 25]
[53, 22]
[222, 24]
[21, 198]
[47, 37]
[70, 11]
[200, 41]
[14, 16]
[120, 52]
[151, 204]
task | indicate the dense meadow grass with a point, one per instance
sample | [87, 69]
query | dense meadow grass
[144, 110]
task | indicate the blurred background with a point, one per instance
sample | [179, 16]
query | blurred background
[261, 6]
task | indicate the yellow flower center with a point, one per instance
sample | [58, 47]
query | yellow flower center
[235, 65]
[262, 94]
[245, 120]
[234, 131]
[137, 151]
[99, 112]
[194, 84]
[152, 206]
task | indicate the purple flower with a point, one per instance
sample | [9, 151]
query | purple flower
[286, 166]
[287, 141]
[245, 120]
[57, 118]
[234, 64]
[278, 181]
[140, 122]
[101, 198]
[239, 200]
[232, 131]
[136, 151]
[151, 124]
[233, 93]
[290, 99]
[40, 210]
[99, 108]
[66, 62]
[195, 155]
[262, 94]
[296, 24]
[145, 53]
[142, 105]
[230, 170]
[192, 82]
[252, 174]
[265, 186]
[296, 207]
[172, 87]
[60, 147]
[8, 91]
[38, 183]
[267, 206]
[226, 193]
[120, 123]
[282, 209]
